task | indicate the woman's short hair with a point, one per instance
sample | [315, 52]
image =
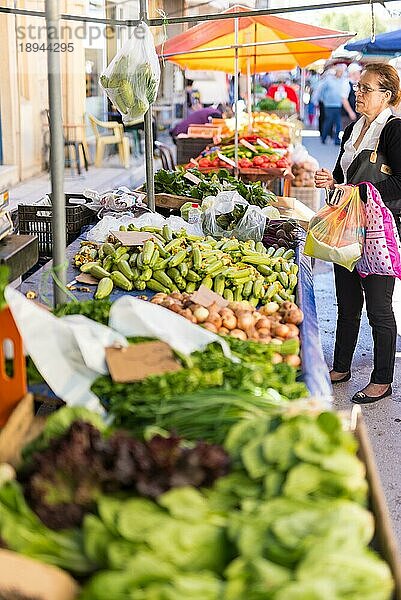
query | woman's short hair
[388, 79]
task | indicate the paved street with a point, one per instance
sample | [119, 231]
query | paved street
[383, 418]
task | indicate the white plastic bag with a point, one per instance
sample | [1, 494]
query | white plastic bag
[131, 80]
[250, 227]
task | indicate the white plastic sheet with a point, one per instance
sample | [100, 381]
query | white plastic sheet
[133, 317]
[68, 352]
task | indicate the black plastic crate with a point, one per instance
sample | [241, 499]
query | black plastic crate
[188, 148]
[37, 220]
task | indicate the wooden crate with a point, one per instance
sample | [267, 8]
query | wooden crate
[384, 536]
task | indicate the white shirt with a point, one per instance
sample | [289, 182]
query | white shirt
[368, 142]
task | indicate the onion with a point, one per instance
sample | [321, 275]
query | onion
[276, 358]
[269, 309]
[281, 331]
[223, 331]
[263, 323]
[176, 295]
[201, 314]
[158, 299]
[214, 318]
[293, 360]
[209, 327]
[239, 334]
[294, 331]
[245, 320]
[257, 316]
[264, 332]
[229, 320]
[175, 307]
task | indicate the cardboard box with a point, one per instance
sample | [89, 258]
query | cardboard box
[291, 208]
[384, 537]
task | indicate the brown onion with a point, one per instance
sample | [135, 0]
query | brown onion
[229, 320]
[209, 327]
[263, 323]
[281, 331]
[270, 308]
[223, 331]
[293, 360]
[214, 318]
[276, 358]
[244, 320]
[294, 331]
[201, 314]
[239, 334]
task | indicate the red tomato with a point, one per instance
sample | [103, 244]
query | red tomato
[204, 162]
[258, 161]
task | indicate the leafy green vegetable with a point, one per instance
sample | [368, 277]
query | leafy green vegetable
[175, 182]
[98, 310]
[23, 532]
[58, 423]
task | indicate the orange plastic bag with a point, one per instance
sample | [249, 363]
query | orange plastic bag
[337, 233]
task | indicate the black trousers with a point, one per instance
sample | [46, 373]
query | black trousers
[378, 291]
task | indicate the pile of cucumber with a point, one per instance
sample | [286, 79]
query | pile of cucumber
[180, 262]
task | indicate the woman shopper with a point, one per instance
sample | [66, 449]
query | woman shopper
[377, 91]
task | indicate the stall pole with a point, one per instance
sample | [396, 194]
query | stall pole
[249, 93]
[56, 150]
[150, 183]
[301, 95]
[236, 91]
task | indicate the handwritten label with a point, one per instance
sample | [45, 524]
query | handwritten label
[138, 361]
[206, 298]
[225, 159]
[247, 145]
[86, 278]
[191, 177]
[132, 238]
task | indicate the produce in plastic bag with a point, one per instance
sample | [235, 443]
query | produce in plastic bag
[303, 167]
[229, 215]
[131, 80]
[337, 233]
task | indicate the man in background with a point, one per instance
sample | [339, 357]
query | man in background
[349, 113]
[332, 93]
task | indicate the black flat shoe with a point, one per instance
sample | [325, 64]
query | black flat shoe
[346, 377]
[362, 398]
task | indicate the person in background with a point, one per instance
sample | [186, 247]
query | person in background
[280, 90]
[197, 117]
[331, 94]
[192, 95]
[377, 92]
[316, 100]
[349, 112]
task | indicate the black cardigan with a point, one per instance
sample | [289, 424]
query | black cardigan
[390, 146]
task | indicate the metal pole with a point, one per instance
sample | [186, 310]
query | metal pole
[249, 93]
[56, 149]
[301, 95]
[150, 182]
[195, 18]
[236, 91]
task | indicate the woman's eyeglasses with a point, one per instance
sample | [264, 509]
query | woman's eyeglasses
[364, 89]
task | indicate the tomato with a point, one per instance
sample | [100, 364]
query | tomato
[258, 161]
[215, 162]
[245, 163]
[204, 162]
[282, 163]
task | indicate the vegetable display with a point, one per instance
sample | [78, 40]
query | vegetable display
[172, 400]
[239, 319]
[175, 182]
[282, 233]
[176, 261]
[260, 157]
[287, 522]
[61, 482]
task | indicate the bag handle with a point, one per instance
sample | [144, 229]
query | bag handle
[373, 155]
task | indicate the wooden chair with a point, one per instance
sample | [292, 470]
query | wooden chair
[117, 137]
[166, 156]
